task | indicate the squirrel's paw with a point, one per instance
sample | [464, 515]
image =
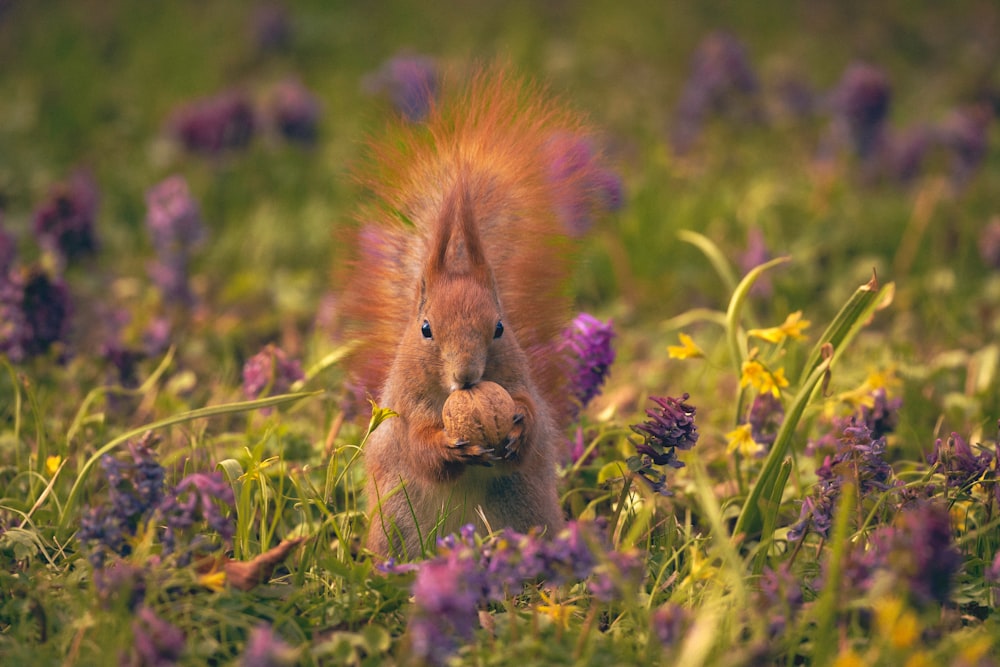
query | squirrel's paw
[511, 445]
[464, 451]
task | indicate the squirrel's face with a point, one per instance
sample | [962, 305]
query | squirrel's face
[460, 327]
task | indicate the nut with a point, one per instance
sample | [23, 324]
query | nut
[483, 414]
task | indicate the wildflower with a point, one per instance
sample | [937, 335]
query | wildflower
[588, 342]
[780, 593]
[621, 571]
[848, 658]
[859, 458]
[65, 221]
[271, 27]
[271, 372]
[581, 186]
[266, 649]
[195, 499]
[721, 81]
[920, 550]
[669, 428]
[155, 641]
[861, 103]
[52, 464]
[763, 380]
[688, 349]
[446, 596]
[559, 612]
[961, 466]
[897, 622]
[906, 151]
[791, 328]
[213, 125]
[175, 226]
[965, 134]
[135, 488]
[120, 582]
[35, 310]
[756, 253]
[741, 439]
[295, 112]
[765, 417]
[670, 623]
[409, 81]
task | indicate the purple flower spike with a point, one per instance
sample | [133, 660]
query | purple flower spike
[295, 112]
[861, 101]
[65, 221]
[155, 641]
[35, 313]
[217, 124]
[271, 371]
[173, 217]
[410, 83]
[266, 649]
[591, 354]
[958, 463]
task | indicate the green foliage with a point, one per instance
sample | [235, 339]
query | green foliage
[94, 84]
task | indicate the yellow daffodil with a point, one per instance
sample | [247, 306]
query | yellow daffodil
[741, 439]
[686, 350]
[792, 328]
[52, 464]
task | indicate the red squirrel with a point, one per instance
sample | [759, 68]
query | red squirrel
[459, 276]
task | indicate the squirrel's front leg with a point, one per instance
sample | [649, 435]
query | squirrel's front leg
[513, 448]
[444, 457]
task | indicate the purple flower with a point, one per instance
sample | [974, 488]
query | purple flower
[883, 416]
[8, 250]
[670, 622]
[446, 595]
[270, 372]
[65, 221]
[175, 227]
[581, 187]
[156, 643]
[196, 499]
[989, 243]
[756, 253]
[859, 458]
[266, 649]
[721, 81]
[992, 573]
[213, 125]
[135, 489]
[34, 313]
[588, 342]
[965, 134]
[621, 571]
[295, 112]
[271, 27]
[670, 427]
[906, 151]
[765, 418]
[961, 466]
[173, 217]
[918, 552]
[780, 593]
[409, 81]
[861, 103]
[120, 583]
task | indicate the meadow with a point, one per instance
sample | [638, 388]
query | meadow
[786, 451]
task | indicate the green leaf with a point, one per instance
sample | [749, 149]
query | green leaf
[734, 332]
[714, 255]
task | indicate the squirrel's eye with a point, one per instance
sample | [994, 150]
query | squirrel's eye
[425, 329]
[499, 330]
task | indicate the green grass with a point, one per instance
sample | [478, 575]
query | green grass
[92, 84]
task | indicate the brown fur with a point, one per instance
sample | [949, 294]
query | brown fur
[462, 233]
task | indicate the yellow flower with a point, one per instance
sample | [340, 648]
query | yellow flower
[897, 622]
[848, 658]
[763, 380]
[919, 659]
[792, 327]
[52, 464]
[741, 439]
[686, 350]
[214, 580]
[560, 613]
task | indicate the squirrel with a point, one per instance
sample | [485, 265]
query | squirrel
[459, 275]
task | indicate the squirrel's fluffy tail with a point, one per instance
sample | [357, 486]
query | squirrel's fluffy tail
[526, 162]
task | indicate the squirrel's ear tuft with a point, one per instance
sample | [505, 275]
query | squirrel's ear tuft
[456, 246]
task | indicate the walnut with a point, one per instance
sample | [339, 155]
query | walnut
[483, 415]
